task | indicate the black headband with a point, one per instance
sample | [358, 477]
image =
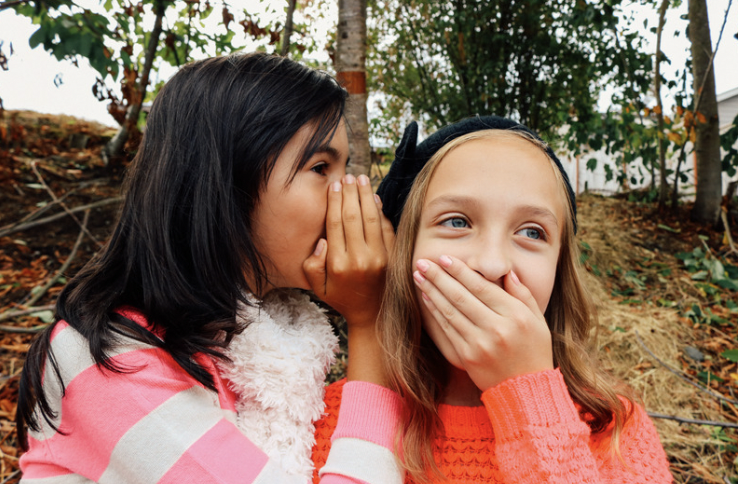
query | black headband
[411, 157]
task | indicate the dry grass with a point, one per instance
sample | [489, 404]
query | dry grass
[694, 450]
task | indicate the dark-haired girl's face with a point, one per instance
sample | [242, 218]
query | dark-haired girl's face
[289, 217]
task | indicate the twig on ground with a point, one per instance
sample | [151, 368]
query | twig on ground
[52, 218]
[680, 375]
[11, 476]
[22, 329]
[62, 204]
[713, 423]
[24, 312]
[40, 211]
[39, 294]
[726, 226]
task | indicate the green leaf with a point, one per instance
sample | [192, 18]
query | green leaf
[732, 355]
[701, 275]
[37, 37]
[668, 229]
[45, 316]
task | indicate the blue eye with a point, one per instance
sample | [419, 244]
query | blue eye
[532, 233]
[455, 222]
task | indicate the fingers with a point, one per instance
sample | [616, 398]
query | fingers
[455, 296]
[334, 219]
[370, 212]
[450, 303]
[353, 225]
[515, 288]
[314, 268]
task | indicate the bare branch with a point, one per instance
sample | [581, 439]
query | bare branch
[714, 423]
[22, 329]
[52, 218]
[33, 299]
[680, 375]
[712, 58]
[287, 32]
[24, 312]
[63, 205]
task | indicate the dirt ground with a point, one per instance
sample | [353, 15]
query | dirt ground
[661, 329]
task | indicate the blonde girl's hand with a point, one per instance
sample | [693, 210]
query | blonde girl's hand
[347, 270]
[497, 332]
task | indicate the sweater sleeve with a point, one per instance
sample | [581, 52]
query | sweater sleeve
[541, 438]
[155, 423]
[361, 445]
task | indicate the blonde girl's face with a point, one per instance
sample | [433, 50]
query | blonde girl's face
[497, 205]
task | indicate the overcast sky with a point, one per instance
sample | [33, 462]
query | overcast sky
[29, 83]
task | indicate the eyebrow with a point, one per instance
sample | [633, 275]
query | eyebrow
[329, 150]
[540, 212]
[453, 200]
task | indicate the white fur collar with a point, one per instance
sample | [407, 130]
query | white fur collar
[277, 370]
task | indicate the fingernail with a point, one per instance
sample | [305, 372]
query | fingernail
[363, 180]
[319, 248]
[418, 277]
[425, 296]
[514, 278]
[336, 186]
[349, 179]
[445, 261]
[422, 265]
[377, 199]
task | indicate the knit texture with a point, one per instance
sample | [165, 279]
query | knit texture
[529, 430]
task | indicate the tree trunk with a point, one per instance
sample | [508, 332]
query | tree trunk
[707, 144]
[287, 33]
[114, 148]
[663, 185]
[351, 73]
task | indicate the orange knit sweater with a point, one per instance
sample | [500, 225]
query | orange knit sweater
[528, 431]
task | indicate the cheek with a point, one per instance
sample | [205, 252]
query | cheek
[541, 285]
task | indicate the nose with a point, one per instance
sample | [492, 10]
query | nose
[491, 259]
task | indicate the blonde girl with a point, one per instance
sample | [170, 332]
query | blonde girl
[486, 323]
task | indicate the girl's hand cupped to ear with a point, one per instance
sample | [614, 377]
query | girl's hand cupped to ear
[348, 269]
[497, 332]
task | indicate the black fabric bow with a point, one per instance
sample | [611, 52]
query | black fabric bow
[410, 158]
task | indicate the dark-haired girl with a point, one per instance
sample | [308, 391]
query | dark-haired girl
[170, 340]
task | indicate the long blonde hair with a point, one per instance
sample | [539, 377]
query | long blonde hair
[419, 372]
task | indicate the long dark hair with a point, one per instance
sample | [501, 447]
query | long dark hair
[182, 251]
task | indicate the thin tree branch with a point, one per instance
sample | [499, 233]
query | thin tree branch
[52, 218]
[712, 58]
[24, 312]
[22, 329]
[726, 226]
[287, 28]
[10, 477]
[714, 423]
[61, 204]
[38, 295]
[10, 4]
[663, 188]
[680, 375]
